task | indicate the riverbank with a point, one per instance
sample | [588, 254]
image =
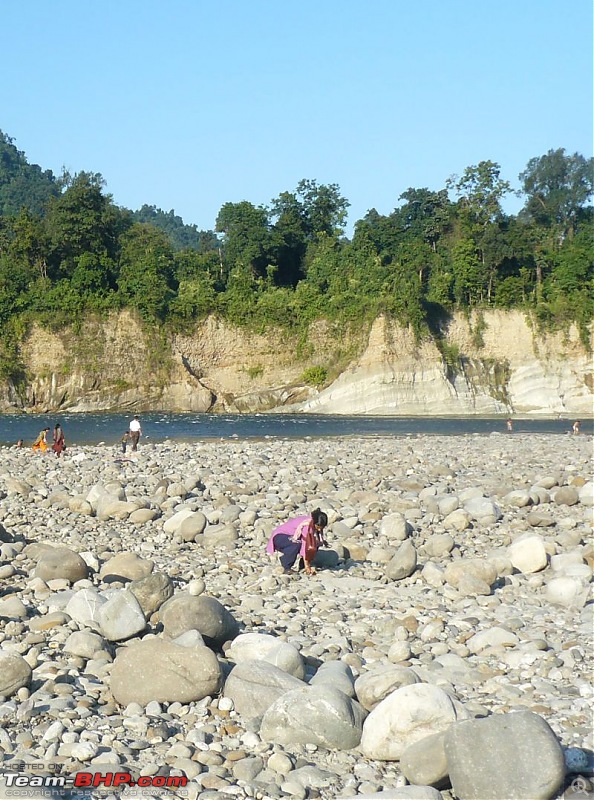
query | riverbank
[458, 563]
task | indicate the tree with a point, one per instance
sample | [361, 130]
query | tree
[83, 220]
[557, 187]
[425, 215]
[481, 191]
[146, 271]
[247, 241]
[324, 207]
[467, 273]
[289, 237]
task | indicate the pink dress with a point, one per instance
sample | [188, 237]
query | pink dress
[291, 527]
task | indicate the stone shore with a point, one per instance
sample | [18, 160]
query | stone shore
[443, 650]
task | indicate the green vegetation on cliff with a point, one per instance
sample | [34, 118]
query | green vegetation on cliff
[67, 249]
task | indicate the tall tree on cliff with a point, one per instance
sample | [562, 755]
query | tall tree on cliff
[83, 222]
[246, 237]
[557, 188]
[480, 190]
[146, 271]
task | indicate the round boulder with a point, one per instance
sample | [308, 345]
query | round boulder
[61, 563]
[203, 613]
[374, 686]
[164, 672]
[406, 716]
[317, 715]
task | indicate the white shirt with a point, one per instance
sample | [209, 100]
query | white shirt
[135, 426]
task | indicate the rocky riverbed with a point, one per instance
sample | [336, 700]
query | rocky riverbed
[443, 650]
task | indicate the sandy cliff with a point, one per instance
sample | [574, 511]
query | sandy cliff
[113, 364]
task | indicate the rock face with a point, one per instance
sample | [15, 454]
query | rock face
[513, 370]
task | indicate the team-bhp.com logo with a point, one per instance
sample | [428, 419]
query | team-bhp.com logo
[17, 785]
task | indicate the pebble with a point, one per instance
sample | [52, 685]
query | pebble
[458, 564]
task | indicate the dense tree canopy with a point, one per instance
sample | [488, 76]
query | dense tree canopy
[67, 248]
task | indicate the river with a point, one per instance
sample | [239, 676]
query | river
[86, 429]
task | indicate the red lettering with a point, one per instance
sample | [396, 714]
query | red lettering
[177, 780]
[121, 777]
[106, 779]
[83, 779]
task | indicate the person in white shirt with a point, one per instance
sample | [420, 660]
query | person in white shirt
[135, 432]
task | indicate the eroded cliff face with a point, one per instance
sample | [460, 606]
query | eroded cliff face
[112, 364]
[509, 371]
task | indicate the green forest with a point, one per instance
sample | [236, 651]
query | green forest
[66, 250]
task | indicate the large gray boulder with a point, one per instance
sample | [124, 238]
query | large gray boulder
[424, 762]
[206, 614]
[127, 567]
[336, 674]
[84, 606]
[317, 715]
[483, 510]
[61, 562]
[527, 553]
[165, 672]
[395, 527]
[191, 526]
[14, 673]
[512, 756]
[83, 644]
[255, 685]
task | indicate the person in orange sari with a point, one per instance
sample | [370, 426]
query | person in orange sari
[40, 444]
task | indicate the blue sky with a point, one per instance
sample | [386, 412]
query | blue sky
[188, 104]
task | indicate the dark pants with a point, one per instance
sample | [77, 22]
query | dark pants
[289, 549]
[134, 437]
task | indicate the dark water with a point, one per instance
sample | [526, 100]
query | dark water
[108, 428]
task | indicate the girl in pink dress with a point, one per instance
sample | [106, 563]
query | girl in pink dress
[290, 538]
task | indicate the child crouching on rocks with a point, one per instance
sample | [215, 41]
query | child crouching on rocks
[299, 537]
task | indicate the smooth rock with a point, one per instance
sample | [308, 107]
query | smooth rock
[156, 670]
[512, 756]
[406, 716]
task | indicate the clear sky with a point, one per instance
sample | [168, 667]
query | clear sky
[188, 104]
